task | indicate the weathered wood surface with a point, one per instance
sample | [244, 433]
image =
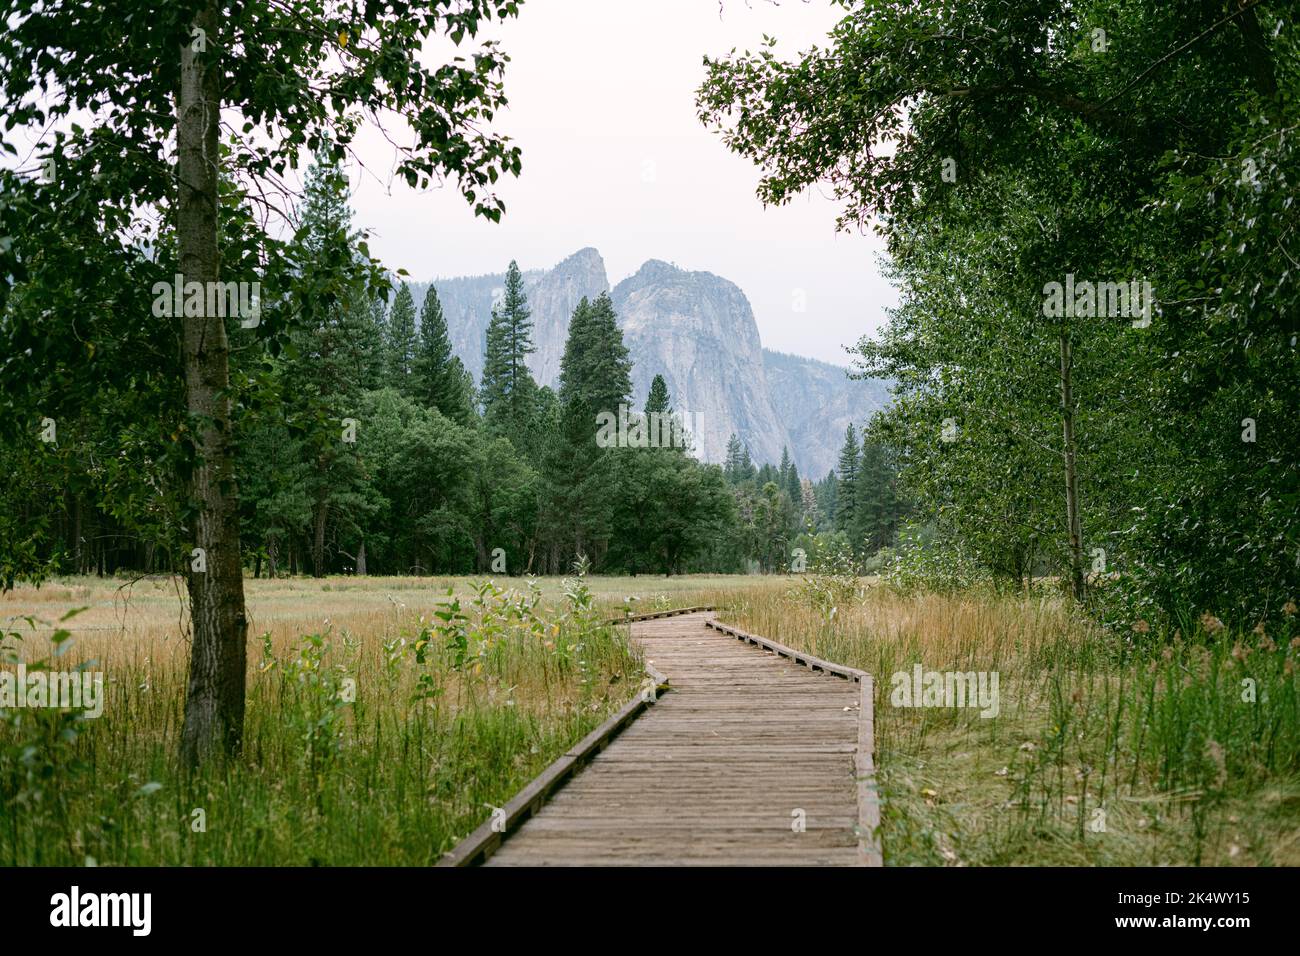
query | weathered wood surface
[746, 743]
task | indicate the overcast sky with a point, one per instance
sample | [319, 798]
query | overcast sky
[602, 104]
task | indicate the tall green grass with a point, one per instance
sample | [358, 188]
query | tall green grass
[385, 738]
[1109, 749]
[383, 749]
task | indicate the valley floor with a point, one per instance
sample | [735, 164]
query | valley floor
[386, 719]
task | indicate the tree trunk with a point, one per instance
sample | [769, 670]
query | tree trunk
[361, 558]
[214, 704]
[1071, 472]
[318, 542]
[80, 556]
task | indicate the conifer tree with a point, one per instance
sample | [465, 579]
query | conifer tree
[789, 479]
[439, 374]
[333, 363]
[403, 343]
[731, 464]
[877, 506]
[507, 391]
[828, 499]
[657, 401]
[595, 370]
[808, 502]
[847, 485]
[662, 419]
[746, 471]
[595, 378]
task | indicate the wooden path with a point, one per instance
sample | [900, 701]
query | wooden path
[749, 759]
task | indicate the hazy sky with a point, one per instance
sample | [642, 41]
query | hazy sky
[602, 104]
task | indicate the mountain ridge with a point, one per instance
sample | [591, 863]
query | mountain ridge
[695, 328]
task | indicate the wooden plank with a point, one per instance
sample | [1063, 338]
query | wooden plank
[487, 838]
[655, 615]
[720, 769]
[799, 657]
[868, 795]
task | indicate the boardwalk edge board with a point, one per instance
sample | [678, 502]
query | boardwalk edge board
[485, 840]
[799, 657]
[868, 828]
[869, 849]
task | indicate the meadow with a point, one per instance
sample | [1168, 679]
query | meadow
[387, 716]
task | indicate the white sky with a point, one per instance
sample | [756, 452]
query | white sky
[602, 103]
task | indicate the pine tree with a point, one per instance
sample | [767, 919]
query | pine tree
[828, 499]
[507, 391]
[576, 343]
[403, 344]
[326, 232]
[332, 364]
[790, 480]
[595, 378]
[379, 320]
[808, 503]
[439, 375]
[746, 469]
[657, 401]
[847, 485]
[877, 503]
[731, 464]
[595, 370]
[662, 420]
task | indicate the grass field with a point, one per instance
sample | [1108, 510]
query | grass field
[1103, 751]
[377, 732]
[386, 719]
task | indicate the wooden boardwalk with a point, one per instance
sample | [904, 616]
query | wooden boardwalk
[745, 746]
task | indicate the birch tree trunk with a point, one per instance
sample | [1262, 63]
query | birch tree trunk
[214, 703]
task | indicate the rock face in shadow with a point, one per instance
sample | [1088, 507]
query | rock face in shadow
[695, 329]
[816, 401]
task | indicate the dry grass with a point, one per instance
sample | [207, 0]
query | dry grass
[1156, 736]
[1087, 722]
[376, 732]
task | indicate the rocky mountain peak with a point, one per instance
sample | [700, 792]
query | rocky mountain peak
[697, 330]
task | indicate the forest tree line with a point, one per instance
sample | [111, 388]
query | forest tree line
[363, 445]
